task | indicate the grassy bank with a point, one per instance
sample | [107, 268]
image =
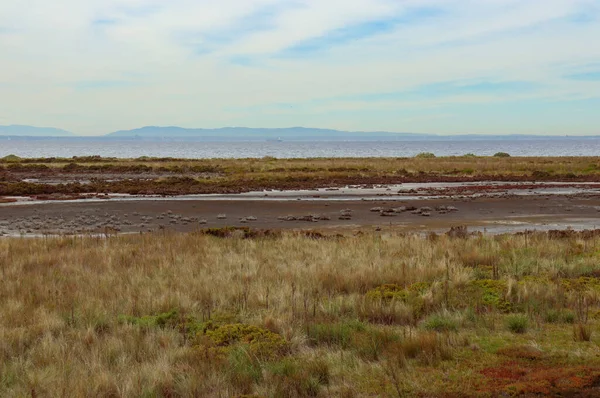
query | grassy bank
[299, 315]
[183, 176]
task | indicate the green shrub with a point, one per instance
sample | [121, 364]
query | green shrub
[335, 334]
[243, 369]
[492, 293]
[297, 378]
[517, 323]
[441, 322]
[568, 317]
[552, 316]
[501, 155]
[425, 155]
[11, 158]
[394, 291]
[260, 342]
[559, 316]
[165, 319]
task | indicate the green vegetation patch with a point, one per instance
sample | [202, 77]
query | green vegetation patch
[260, 342]
[441, 322]
[425, 155]
[491, 293]
[172, 319]
[300, 378]
[583, 283]
[11, 158]
[517, 323]
[397, 292]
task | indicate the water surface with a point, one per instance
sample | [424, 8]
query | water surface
[202, 150]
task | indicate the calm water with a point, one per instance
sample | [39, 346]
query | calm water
[132, 149]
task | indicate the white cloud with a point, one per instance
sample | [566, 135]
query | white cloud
[99, 65]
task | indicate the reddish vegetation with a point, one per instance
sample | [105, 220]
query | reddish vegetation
[530, 379]
[186, 185]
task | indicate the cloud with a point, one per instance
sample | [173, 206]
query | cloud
[203, 63]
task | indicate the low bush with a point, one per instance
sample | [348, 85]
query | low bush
[334, 334]
[517, 323]
[425, 155]
[441, 322]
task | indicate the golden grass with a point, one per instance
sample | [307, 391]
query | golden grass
[196, 315]
[457, 165]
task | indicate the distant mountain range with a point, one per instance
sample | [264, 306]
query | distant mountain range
[259, 134]
[30, 131]
[173, 133]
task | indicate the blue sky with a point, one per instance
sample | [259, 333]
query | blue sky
[429, 66]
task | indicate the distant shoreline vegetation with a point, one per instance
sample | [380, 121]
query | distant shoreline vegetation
[170, 176]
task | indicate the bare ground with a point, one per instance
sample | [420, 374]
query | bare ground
[504, 213]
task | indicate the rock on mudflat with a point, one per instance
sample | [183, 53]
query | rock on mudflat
[222, 217]
[202, 222]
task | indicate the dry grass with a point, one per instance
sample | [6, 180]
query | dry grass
[284, 316]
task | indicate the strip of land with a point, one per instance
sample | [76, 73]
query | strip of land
[54, 177]
[96, 195]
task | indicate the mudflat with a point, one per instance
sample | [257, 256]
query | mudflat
[501, 213]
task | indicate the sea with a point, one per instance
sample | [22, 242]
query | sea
[296, 149]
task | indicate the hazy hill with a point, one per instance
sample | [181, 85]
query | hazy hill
[31, 131]
[246, 133]
[174, 133]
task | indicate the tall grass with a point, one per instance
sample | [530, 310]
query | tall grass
[195, 315]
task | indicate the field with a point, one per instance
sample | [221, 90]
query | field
[168, 176]
[293, 314]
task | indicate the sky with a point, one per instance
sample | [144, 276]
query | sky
[421, 66]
